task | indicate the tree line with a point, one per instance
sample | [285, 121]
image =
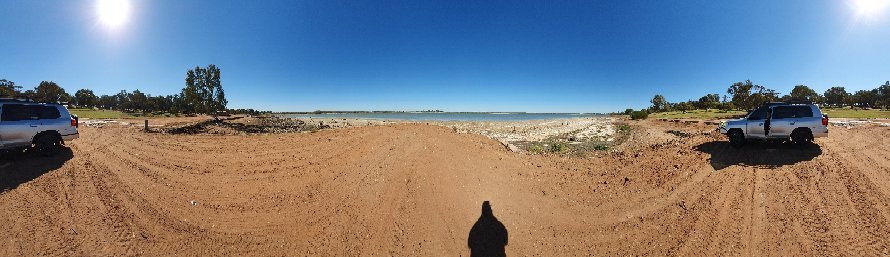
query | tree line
[202, 94]
[747, 95]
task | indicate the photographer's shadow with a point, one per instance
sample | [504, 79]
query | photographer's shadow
[488, 237]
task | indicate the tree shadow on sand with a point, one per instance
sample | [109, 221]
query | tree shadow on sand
[19, 168]
[757, 154]
[488, 237]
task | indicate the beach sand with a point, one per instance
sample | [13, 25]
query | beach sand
[407, 189]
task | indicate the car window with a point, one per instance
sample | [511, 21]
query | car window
[758, 114]
[18, 112]
[782, 112]
[803, 112]
[15, 112]
[790, 112]
[47, 112]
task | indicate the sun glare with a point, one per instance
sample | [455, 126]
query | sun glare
[113, 13]
[869, 8]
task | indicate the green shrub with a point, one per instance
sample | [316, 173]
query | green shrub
[639, 115]
[558, 147]
[601, 147]
[535, 149]
[623, 128]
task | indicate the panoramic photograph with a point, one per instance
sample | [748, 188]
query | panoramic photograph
[445, 128]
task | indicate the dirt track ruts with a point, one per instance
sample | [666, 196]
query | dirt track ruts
[416, 190]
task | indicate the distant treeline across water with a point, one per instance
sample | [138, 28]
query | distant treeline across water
[445, 116]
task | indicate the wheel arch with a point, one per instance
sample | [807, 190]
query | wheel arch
[808, 131]
[46, 133]
[735, 129]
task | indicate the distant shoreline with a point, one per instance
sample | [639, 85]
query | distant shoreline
[433, 112]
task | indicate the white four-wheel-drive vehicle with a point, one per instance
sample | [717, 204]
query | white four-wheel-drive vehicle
[41, 126]
[799, 123]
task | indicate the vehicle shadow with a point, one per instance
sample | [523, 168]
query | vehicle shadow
[19, 168]
[757, 154]
[488, 237]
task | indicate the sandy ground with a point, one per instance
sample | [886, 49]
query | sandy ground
[417, 190]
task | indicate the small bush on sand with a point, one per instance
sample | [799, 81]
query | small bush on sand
[536, 149]
[624, 128]
[559, 147]
[601, 147]
[639, 115]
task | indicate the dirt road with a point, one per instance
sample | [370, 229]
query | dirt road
[417, 190]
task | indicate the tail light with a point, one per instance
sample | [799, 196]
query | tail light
[74, 121]
[824, 120]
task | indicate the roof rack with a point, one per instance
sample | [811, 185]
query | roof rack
[772, 104]
[19, 100]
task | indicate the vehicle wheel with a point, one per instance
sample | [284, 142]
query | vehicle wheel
[47, 145]
[801, 138]
[736, 139]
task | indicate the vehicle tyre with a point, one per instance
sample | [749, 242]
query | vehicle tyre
[801, 138]
[47, 145]
[736, 138]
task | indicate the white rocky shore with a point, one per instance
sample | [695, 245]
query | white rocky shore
[575, 130]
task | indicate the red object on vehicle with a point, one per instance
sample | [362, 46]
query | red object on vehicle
[74, 122]
[824, 120]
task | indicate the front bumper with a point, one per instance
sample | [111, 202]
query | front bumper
[70, 137]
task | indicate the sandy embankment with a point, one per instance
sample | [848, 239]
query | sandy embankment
[417, 190]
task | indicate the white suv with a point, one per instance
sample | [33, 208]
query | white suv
[43, 127]
[799, 123]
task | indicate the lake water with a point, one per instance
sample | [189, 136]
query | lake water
[446, 116]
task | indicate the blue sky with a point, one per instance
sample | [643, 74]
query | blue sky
[536, 56]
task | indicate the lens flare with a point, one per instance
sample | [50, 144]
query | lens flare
[871, 9]
[113, 13]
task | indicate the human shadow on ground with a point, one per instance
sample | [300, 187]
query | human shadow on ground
[757, 154]
[488, 237]
[17, 168]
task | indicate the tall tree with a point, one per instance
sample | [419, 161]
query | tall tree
[883, 95]
[659, 104]
[138, 101]
[106, 102]
[836, 96]
[740, 92]
[802, 93]
[865, 98]
[747, 95]
[203, 92]
[86, 98]
[709, 101]
[50, 92]
[9, 89]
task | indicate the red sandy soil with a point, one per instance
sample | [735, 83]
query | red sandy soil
[417, 190]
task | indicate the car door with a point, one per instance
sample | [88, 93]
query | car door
[782, 121]
[18, 124]
[755, 123]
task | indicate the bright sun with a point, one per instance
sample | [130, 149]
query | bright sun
[869, 8]
[113, 13]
